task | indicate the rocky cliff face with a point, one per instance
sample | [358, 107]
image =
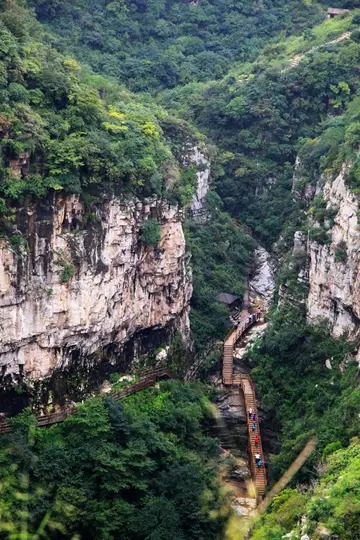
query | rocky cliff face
[262, 280]
[75, 288]
[334, 268]
[198, 205]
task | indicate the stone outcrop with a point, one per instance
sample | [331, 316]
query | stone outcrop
[334, 268]
[262, 280]
[202, 162]
[84, 282]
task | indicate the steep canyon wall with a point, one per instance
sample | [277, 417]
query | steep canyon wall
[79, 285]
[334, 268]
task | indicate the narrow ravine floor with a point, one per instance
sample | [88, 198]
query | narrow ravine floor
[231, 431]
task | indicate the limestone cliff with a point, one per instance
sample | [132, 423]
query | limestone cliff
[262, 279]
[80, 284]
[334, 268]
[198, 205]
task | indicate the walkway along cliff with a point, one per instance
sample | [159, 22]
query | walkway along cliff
[229, 379]
[150, 379]
[246, 320]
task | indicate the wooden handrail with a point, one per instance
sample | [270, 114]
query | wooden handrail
[54, 418]
[247, 387]
[258, 474]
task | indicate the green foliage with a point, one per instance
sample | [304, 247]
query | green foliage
[341, 252]
[301, 394]
[221, 252]
[66, 267]
[336, 145]
[67, 272]
[110, 471]
[259, 116]
[151, 232]
[19, 243]
[321, 217]
[157, 44]
[63, 128]
[187, 185]
[133, 469]
[333, 504]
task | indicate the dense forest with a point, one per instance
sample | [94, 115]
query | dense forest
[78, 132]
[162, 44]
[135, 469]
[261, 113]
[101, 98]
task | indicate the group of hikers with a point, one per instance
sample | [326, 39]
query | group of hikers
[252, 417]
[258, 461]
[253, 318]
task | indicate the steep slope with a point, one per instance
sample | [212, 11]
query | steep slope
[79, 293]
[260, 112]
[162, 44]
[93, 266]
[328, 189]
[329, 509]
[93, 262]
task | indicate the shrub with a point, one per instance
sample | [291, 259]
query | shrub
[67, 273]
[355, 36]
[19, 243]
[341, 252]
[319, 235]
[151, 232]
[331, 448]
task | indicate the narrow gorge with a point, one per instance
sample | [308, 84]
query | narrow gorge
[179, 270]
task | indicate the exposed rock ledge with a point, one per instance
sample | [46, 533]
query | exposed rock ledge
[334, 269]
[120, 286]
[199, 158]
[262, 281]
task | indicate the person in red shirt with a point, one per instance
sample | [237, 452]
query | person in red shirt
[257, 440]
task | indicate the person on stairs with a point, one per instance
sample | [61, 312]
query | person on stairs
[253, 427]
[257, 440]
[257, 458]
[250, 412]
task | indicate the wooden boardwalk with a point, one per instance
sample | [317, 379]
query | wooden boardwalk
[289, 474]
[258, 473]
[245, 383]
[245, 321]
[150, 379]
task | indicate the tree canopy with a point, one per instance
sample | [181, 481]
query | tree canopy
[133, 469]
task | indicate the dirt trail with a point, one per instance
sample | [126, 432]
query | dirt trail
[295, 61]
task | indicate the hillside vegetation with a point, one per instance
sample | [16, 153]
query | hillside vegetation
[162, 44]
[331, 505]
[259, 116]
[77, 132]
[260, 82]
[136, 469]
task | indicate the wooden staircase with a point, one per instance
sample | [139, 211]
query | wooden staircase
[258, 474]
[150, 378]
[227, 372]
[245, 321]
[245, 383]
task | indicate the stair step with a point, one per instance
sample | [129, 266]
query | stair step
[232, 379]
